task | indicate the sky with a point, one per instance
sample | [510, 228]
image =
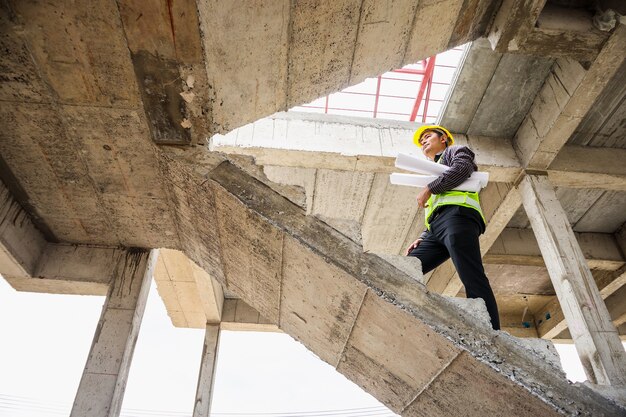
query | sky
[46, 340]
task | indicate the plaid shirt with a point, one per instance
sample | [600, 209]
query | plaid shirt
[460, 159]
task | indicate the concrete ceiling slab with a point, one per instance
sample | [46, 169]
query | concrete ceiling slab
[607, 215]
[494, 91]
[509, 95]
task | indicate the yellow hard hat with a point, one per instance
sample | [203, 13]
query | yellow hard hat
[419, 132]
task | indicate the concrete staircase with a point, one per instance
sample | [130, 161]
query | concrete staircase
[417, 352]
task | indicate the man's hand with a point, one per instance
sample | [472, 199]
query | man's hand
[423, 196]
[413, 246]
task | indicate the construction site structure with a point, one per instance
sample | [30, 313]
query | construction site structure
[109, 179]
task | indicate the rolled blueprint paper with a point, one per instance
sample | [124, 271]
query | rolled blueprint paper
[422, 166]
[422, 181]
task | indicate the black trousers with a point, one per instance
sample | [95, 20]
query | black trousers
[454, 232]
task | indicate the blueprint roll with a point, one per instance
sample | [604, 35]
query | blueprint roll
[422, 166]
[422, 181]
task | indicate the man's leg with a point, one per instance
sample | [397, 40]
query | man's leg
[430, 252]
[459, 234]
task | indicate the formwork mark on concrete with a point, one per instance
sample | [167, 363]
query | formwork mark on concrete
[289, 43]
[409, 33]
[367, 202]
[169, 195]
[356, 318]
[356, 42]
[282, 277]
[433, 379]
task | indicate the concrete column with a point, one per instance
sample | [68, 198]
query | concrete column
[102, 385]
[587, 317]
[204, 392]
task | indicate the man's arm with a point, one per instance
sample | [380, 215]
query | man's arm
[460, 159]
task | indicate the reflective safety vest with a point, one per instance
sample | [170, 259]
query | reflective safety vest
[452, 198]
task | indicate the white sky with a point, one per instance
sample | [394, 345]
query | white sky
[46, 340]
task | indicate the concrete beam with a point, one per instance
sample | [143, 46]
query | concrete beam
[311, 141]
[513, 22]
[166, 51]
[308, 140]
[589, 167]
[238, 315]
[564, 42]
[29, 263]
[191, 296]
[21, 244]
[380, 28]
[616, 303]
[102, 386]
[71, 269]
[239, 35]
[533, 27]
[519, 247]
[519, 76]
[564, 100]
[596, 338]
[474, 78]
[206, 377]
[551, 320]
[73, 145]
[480, 101]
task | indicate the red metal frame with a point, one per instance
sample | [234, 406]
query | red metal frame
[429, 67]
[377, 95]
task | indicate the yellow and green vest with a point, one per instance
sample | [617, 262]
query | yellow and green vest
[455, 198]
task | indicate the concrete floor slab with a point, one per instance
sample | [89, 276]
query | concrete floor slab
[88, 62]
[381, 25]
[326, 31]
[260, 43]
[426, 40]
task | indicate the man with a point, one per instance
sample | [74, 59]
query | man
[454, 219]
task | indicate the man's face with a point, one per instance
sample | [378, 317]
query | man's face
[432, 143]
